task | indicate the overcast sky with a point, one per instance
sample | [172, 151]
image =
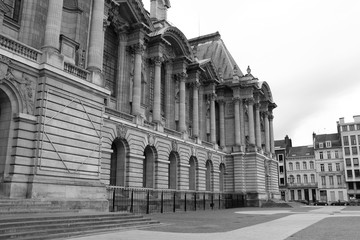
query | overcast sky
[308, 51]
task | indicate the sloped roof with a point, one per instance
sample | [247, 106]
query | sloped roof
[334, 138]
[301, 151]
[212, 47]
[280, 143]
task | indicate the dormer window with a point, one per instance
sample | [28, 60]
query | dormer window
[321, 145]
[328, 144]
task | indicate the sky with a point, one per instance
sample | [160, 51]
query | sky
[308, 51]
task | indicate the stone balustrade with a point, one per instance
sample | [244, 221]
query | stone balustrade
[19, 48]
[76, 71]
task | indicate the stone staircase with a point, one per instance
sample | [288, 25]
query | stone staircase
[34, 219]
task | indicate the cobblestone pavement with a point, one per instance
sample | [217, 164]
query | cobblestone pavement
[327, 222]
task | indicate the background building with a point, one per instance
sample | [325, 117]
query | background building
[100, 94]
[301, 172]
[330, 167]
[350, 137]
[282, 148]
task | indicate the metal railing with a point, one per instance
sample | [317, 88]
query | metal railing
[142, 200]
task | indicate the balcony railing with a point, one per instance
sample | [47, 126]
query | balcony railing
[76, 71]
[122, 115]
[303, 185]
[19, 48]
[172, 132]
[138, 200]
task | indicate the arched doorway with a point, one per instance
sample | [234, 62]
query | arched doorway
[149, 167]
[172, 179]
[118, 163]
[192, 173]
[209, 170]
[222, 177]
[5, 127]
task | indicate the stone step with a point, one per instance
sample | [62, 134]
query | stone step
[59, 226]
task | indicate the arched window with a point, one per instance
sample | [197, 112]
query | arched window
[222, 178]
[5, 122]
[297, 166]
[118, 164]
[312, 165]
[291, 179]
[306, 179]
[298, 179]
[304, 165]
[192, 173]
[209, 179]
[291, 166]
[148, 168]
[172, 179]
[312, 178]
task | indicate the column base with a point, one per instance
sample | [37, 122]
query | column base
[97, 77]
[52, 57]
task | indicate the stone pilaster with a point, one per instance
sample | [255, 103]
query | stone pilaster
[53, 26]
[242, 123]
[157, 90]
[136, 101]
[250, 103]
[182, 116]
[196, 86]
[267, 132]
[237, 121]
[212, 118]
[169, 110]
[222, 122]
[96, 42]
[271, 128]
[257, 125]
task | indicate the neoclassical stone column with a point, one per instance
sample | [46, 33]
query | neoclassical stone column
[257, 125]
[196, 86]
[242, 123]
[272, 144]
[212, 118]
[121, 71]
[267, 132]
[182, 125]
[96, 41]
[169, 110]
[251, 121]
[139, 51]
[222, 122]
[53, 25]
[237, 120]
[157, 90]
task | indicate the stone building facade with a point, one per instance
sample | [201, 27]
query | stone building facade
[102, 93]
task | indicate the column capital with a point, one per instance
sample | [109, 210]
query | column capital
[212, 96]
[249, 101]
[271, 116]
[257, 106]
[236, 99]
[180, 76]
[221, 101]
[157, 60]
[137, 48]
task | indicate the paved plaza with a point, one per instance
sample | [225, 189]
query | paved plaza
[327, 222]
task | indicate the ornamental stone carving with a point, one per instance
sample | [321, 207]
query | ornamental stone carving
[209, 156]
[151, 140]
[174, 146]
[121, 130]
[193, 151]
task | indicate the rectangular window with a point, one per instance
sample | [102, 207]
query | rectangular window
[291, 166]
[336, 154]
[357, 126]
[357, 172]
[337, 166]
[280, 157]
[304, 165]
[321, 155]
[348, 162]
[322, 168]
[311, 165]
[345, 140]
[352, 127]
[305, 179]
[356, 161]
[354, 150]
[321, 145]
[331, 180]
[344, 128]
[339, 182]
[282, 181]
[14, 7]
[347, 150]
[328, 154]
[312, 178]
[297, 166]
[353, 139]
[281, 169]
[349, 173]
[323, 180]
[351, 185]
[298, 179]
[330, 167]
[328, 144]
[299, 195]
